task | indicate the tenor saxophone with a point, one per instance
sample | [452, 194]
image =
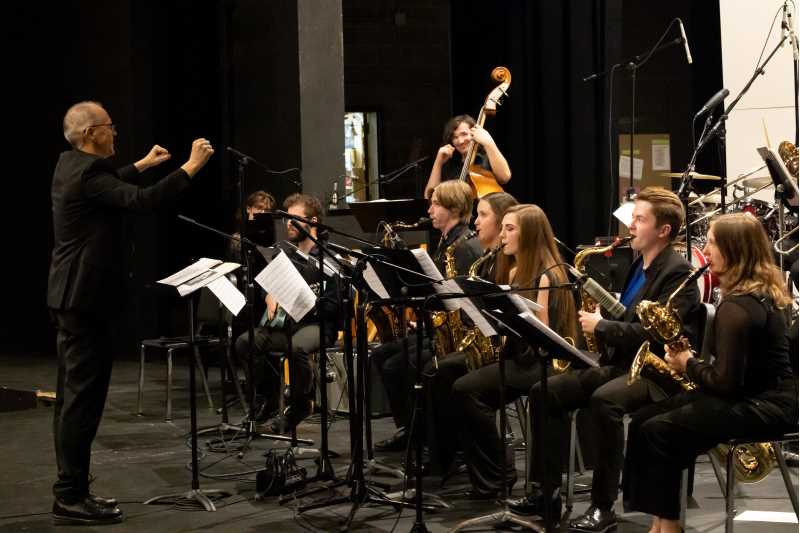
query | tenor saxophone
[588, 303]
[477, 347]
[752, 462]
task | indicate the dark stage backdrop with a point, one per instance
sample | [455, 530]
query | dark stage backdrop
[172, 71]
[554, 127]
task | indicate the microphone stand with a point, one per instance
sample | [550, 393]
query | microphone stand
[633, 65]
[389, 177]
[718, 131]
[243, 159]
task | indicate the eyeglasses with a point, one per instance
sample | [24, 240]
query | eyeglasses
[110, 125]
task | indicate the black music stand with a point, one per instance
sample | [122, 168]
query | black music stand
[510, 319]
[370, 214]
[186, 284]
[786, 192]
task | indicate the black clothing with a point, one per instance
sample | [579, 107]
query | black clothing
[451, 170]
[604, 390]
[270, 338]
[748, 391]
[396, 372]
[84, 291]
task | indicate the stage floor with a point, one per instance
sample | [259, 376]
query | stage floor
[138, 457]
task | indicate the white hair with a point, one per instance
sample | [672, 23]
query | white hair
[77, 119]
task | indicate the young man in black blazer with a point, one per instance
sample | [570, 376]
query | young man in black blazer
[659, 270]
[89, 197]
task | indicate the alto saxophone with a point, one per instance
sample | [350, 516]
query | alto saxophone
[752, 462]
[476, 346]
[448, 329]
[588, 303]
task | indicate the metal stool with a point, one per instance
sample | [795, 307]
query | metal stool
[171, 345]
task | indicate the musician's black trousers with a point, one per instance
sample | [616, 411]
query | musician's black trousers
[398, 374]
[605, 392]
[267, 369]
[84, 373]
[666, 437]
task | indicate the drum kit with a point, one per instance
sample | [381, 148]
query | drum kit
[740, 192]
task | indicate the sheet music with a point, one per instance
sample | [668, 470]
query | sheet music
[191, 271]
[228, 294]
[556, 338]
[450, 286]
[374, 282]
[281, 279]
[198, 275]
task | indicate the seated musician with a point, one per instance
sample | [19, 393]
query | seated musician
[529, 243]
[746, 391]
[257, 202]
[450, 211]
[659, 270]
[442, 440]
[458, 133]
[270, 338]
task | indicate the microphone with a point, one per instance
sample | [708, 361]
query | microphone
[685, 42]
[423, 223]
[713, 102]
[602, 296]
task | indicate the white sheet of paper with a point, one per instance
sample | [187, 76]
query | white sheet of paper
[191, 271]
[282, 280]
[448, 286]
[374, 282]
[228, 294]
[206, 278]
[659, 152]
[555, 337]
[625, 167]
[624, 213]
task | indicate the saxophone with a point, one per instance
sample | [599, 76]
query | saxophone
[448, 329]
[386, 319]
[588, 303]
[476, 346]
[752, 462]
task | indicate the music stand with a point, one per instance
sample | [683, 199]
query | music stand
[370, 214]
[204, 273]
[510, 315]
[786, 192]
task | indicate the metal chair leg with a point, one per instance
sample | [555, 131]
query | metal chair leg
[168, 417]
[787, 480]
[730, 494]
[140, 396]
[573, 433]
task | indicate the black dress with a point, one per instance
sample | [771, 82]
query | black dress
[748, 391]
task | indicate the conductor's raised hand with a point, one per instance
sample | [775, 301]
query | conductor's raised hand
[201, 153]
[155, 156]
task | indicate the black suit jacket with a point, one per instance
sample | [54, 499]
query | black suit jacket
[89, 197]
[622, 338]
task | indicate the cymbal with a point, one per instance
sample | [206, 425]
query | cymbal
[756, 182]
[695, 175]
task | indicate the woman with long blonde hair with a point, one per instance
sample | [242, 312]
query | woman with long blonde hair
[528, 241]
[747, 391]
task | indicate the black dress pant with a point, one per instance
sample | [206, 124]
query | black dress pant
[476, 400]
[443, 416]
[666, 437]
[605, 391]
[84, 373]
[397, 374]
[267, 371]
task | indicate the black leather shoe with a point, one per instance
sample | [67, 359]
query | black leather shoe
[395, 443]
[594, 520]
[534, 505]
[100, 500]
[85, 512]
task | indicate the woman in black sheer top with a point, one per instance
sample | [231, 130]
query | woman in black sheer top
[747, 391]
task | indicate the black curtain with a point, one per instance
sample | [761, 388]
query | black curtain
[552, 126]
